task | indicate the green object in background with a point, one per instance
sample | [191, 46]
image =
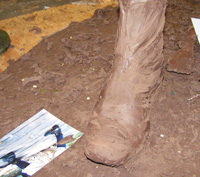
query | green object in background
[43, 90]
[4, 41]
[172, 92]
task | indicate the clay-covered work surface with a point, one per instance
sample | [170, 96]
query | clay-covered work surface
[12, 8]
[25, 31]
[65, 73]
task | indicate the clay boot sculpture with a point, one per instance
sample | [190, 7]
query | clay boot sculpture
[120, 119]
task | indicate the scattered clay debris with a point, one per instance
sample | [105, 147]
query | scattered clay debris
[36, 30]
[27, 56]
[193, 97]
[49, 44]
[31, 18]
[183, 60]
[31, 79]
[4, 76]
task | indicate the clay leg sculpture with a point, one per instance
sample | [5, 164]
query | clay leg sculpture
[120, 119]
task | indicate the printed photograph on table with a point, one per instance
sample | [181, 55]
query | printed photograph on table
[33, 144]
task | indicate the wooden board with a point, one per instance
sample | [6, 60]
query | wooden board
[26, 31]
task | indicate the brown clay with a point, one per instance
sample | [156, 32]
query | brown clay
[120, 120]
[183, 59]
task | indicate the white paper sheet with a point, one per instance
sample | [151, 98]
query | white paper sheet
[196, 24]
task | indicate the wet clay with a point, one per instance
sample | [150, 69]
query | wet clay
[120, 120]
